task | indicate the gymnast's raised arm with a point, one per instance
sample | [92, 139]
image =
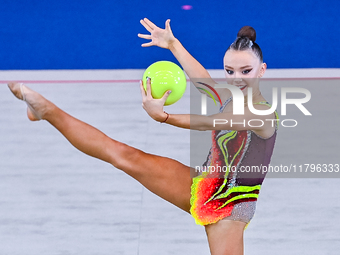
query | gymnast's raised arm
[164, 38]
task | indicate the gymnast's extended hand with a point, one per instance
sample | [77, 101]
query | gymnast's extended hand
[154, 107]
[163, 38]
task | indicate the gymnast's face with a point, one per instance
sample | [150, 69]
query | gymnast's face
[242, 69]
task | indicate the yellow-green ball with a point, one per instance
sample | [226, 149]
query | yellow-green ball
[165, 76]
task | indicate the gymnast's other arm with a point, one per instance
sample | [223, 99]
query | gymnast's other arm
[219, 121]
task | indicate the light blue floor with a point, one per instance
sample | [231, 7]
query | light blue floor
[56, 200]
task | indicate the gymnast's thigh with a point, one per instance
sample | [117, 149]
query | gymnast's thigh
[166, 177]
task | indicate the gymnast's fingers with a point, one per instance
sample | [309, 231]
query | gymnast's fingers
[147, 27]
[148, 44]
[149, 23]
[144, 36]
[143, 92]
[148, 87]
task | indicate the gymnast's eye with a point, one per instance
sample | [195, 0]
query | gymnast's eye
[247, 71]
[229, 71]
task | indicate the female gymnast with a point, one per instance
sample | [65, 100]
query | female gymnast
[223, 205]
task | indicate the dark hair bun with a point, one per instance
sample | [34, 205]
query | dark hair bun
[247, 31]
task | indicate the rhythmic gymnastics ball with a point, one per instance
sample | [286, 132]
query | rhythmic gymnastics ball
[166, 75]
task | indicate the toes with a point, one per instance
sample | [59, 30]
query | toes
[15, 88]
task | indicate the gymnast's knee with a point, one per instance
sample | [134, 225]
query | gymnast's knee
[125, 157]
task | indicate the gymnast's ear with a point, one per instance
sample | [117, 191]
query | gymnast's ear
[263, 69]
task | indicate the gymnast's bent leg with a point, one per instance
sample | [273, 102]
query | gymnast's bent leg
[167, 178]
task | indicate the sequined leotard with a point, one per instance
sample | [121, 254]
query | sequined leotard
[234, 195]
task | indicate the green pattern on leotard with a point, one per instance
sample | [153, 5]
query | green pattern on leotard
[214, 198]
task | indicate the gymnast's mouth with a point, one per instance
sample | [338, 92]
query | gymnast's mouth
[241, 87]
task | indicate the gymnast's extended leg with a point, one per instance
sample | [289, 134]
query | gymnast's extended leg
[163, 176]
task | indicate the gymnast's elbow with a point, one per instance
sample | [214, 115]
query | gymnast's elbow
[205, 126]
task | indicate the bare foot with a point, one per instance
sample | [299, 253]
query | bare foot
[36, 103]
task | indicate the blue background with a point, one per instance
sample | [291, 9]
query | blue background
[102, 34]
